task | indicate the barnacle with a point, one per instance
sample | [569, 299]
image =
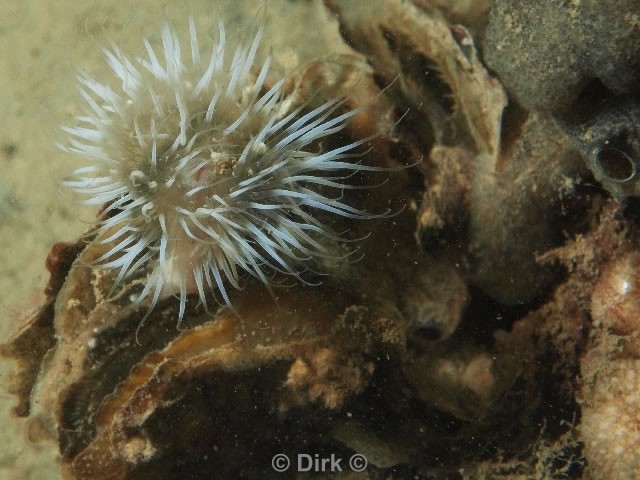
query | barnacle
[206, 170]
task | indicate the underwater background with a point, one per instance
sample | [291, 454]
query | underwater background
[490, 327]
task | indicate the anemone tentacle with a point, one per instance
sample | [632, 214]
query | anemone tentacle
[206, 171]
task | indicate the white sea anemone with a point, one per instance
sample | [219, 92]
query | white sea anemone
[207, 172]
